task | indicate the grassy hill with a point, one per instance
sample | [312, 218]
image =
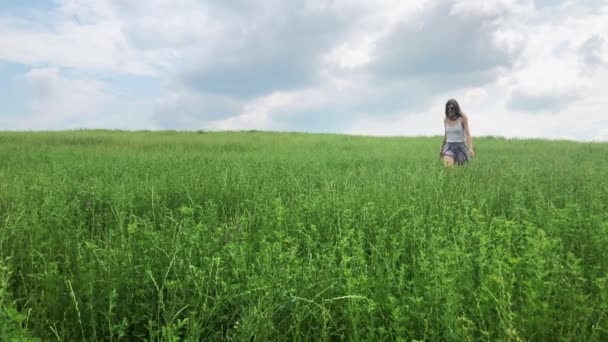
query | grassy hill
[108, 236]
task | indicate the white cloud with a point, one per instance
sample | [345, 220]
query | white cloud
[256, 115]
[558, 64]
[489, 116]
[187, 109]
[58, 102]
[494, 8]
[376, 65]
[80, 35]
[383, 67]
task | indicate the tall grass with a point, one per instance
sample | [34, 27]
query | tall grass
[110, 236]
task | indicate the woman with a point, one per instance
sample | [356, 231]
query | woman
[457, 142]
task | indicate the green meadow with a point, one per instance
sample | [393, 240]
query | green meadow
[258, 236]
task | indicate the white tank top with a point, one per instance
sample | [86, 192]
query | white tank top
[455, 133]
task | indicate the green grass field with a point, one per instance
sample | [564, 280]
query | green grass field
[165, 236]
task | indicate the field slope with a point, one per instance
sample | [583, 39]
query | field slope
[108, 236]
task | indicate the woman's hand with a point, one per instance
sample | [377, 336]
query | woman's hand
[471, 153]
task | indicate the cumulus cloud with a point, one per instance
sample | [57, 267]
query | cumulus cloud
[315, 65]
[594, 51]
[60, 102]
[340, 72]
[57, 100]
[558, 64]
[445, 40]
[186, 109]
[76, 34]
[279, 47]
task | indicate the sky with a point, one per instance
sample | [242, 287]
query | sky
[518, 68]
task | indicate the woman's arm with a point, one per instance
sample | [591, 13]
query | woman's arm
[467, 133]
[445, 137]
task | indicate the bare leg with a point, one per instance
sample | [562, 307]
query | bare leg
[448, 161]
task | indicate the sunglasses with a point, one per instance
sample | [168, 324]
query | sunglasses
[451, 107]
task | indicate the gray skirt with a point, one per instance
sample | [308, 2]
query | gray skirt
[457, 150]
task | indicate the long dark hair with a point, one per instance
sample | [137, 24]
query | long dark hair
[456, 107]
